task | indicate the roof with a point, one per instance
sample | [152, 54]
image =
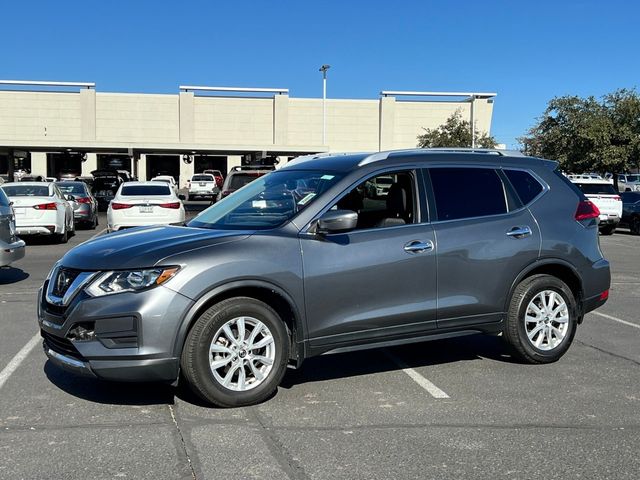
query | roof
[350, 161]
[26, 184]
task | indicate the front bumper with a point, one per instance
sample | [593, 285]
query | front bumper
[132, 334]
[11, 252]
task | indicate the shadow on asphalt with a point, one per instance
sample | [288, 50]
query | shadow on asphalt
[109, 393]
[437, 352]
[317, 369]
[12, 275]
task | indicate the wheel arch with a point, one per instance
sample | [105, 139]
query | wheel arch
[555, 267]
[274, 296]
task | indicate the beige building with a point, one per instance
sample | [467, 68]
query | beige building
[77, 129]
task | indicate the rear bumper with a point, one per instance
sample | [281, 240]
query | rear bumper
[11, 252]
[36, 230]
[608, 219]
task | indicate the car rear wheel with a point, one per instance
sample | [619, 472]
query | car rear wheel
[541, 320]
[64, 236]
[236, 353]
[608, 230]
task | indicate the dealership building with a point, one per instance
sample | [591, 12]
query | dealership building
[53, 128]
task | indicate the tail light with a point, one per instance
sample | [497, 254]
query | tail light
[617, 198]
[173, 205]
[586, 211]
[120, 206]
[604, 295]
[83, 200]
[46, 206]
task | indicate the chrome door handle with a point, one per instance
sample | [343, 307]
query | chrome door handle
[519, 232]
[417, 246]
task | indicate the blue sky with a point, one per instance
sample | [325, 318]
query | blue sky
[527, 52]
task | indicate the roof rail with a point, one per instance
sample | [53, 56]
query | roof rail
[238, 168]
[377, 157]
[314, 156]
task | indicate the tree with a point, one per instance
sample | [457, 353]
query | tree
[455, 132]
[589, 135]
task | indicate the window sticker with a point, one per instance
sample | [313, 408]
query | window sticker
[306, 198]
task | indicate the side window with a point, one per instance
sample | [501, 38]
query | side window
[467, 192]
[386, 200]
[526, 186]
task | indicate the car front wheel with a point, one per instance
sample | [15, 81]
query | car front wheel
[236, 353]
[541, 320]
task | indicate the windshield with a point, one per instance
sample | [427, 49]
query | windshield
[73, 188]
[597, 189]
[144, 190]
[27, 190]
[268, 201]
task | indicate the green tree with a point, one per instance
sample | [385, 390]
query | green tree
[587, 134]
[455, 132]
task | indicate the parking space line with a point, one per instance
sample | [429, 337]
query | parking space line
[615, 319]
[97, 234]
[434, 391]
[18, 359]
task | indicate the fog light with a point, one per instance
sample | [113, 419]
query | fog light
[83, 332]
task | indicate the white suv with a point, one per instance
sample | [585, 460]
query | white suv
[202, 185]
[605, 197]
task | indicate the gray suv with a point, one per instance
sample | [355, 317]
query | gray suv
[313, 259]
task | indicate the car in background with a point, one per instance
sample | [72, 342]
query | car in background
[631, 211]
[240, 176]
[167, 179]
[628, 182]
[138, 204]
[605, 197]
[105, 185]
[85, 206]
[218, 176]
[202, 185]
[41, 209]
[68, 174]
[11, 247]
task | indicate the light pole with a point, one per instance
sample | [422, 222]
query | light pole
[324, 69]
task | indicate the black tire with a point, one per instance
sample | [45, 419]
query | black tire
[195, 354]
[64, 236]
[515, 332]
[608, 230]
[634, 225]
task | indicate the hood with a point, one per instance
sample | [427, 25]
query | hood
[144, 247]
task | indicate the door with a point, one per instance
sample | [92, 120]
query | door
[378, 280]
[485, 238]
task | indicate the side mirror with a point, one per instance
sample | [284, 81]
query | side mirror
[182, 197]
[335, 221]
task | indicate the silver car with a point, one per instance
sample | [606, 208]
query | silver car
[11, 247]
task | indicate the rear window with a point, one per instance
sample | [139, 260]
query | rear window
[467, 192]
[526, 186]
[239, 180]
[27, 190]
[597, 188]
[71, 188]
[202, 178]
[145, 190]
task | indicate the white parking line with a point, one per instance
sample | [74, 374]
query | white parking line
[434, 391]
[615, 319]
[97, 234]
[18, 359]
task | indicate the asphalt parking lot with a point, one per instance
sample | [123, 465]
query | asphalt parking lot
[458, 408]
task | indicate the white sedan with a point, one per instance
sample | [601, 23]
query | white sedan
[41, 209]
[138, 204]
[167, 179]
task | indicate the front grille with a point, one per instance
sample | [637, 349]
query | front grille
[63, 281]
[61, 346]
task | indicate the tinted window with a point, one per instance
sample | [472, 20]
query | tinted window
[467, 192]
[4, 201]
[27, 190]
[72, 188]
[145, 190]
[202, 178]
[597, 188]
[239, 180]
[527, 187]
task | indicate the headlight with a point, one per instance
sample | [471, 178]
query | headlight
[108, 283]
